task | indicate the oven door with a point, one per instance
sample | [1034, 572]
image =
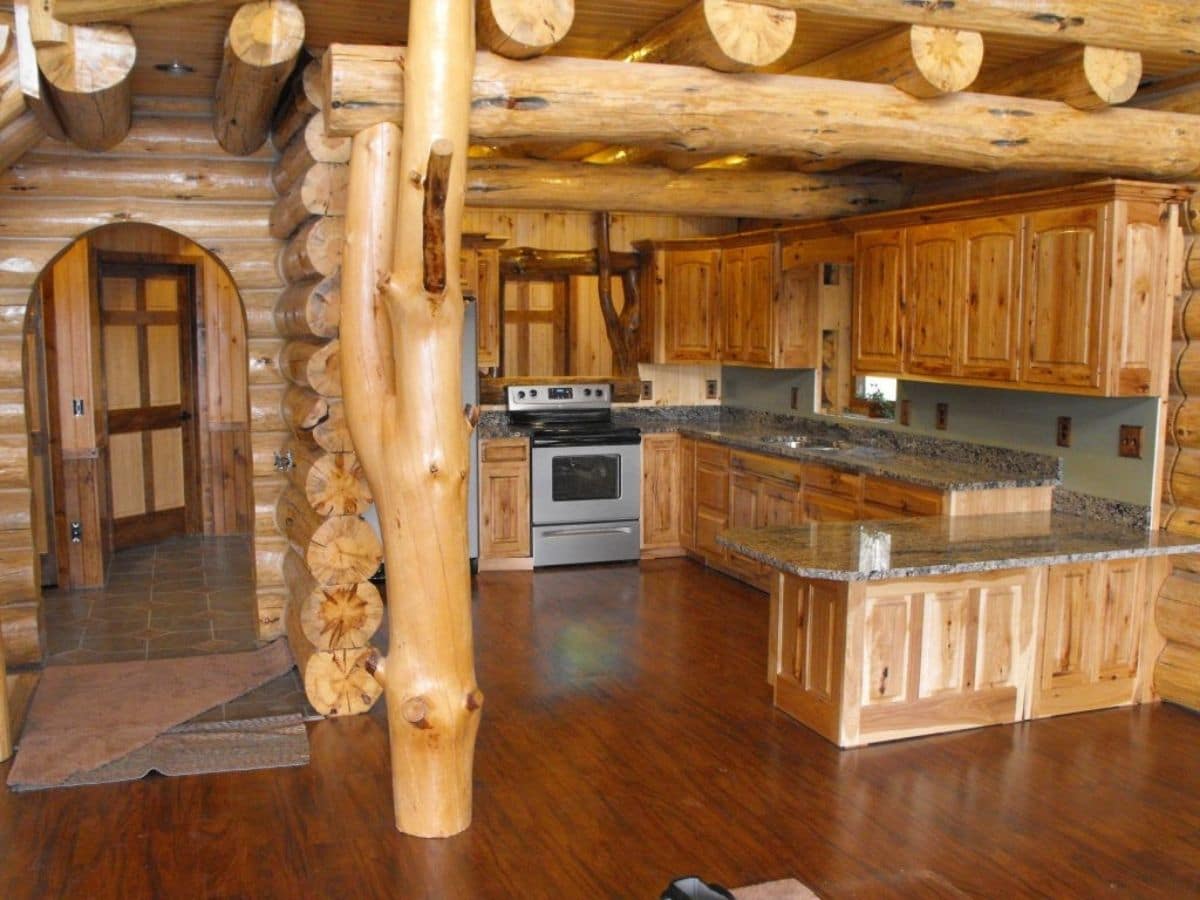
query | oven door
[586, 484]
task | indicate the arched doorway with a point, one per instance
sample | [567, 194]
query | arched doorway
[136, 399]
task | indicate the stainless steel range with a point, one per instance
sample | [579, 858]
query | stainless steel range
[586, 474]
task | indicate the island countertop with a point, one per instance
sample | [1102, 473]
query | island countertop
[935, 545]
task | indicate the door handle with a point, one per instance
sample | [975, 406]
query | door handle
[587, 531]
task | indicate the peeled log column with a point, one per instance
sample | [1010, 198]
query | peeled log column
[1083, 77]
[320, 192]
[781, 115]
[88, 81]
[314, 365]
[333, 617]
[261, 49]
[522, 29]
[337, 550]
[310, 309]
[720, 34]
[919, 60]
[333, 483]
[314, 251]
[310, 146]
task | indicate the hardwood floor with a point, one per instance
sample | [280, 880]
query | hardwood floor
[628, 737]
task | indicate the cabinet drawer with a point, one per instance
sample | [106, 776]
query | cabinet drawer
[505, 450]
[829, 508]
[904, 499]
[767, 467]
[712, 455]
[831, 481]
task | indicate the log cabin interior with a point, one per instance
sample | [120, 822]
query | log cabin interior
[780, 409]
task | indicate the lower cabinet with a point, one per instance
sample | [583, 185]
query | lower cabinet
[504, 510]
[661, 485]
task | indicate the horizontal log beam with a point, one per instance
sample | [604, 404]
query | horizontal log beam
[559, 98]
[80, 12]
[60, 175]
[531, 263]
[500, 183]
[719, 34]
[1083, 77]
[1179, 94]
[1167, 26]
[522, 29]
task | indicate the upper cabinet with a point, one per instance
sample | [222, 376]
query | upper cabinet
[681, 287]
[480, 260]
[748, 304]
[1069, 298]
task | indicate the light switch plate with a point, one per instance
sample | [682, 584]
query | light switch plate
[942, 418]
[647, 390]
[1062, 433]
[710, 388]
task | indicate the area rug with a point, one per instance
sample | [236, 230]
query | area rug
[84, 717]
[788, 889]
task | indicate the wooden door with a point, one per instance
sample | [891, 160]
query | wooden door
[733, 303]
[660, 491]
[504, 501]
[933, 276]
[798, 320]
[878, 321]
[1063, 297]
[148, 364]
[989, 325]
[757, 302]
[691, 297]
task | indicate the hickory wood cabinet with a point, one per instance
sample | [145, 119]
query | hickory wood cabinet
[504, 502]
[1064, 296]
[480, 260]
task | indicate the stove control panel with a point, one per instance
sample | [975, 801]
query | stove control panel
[558, 396]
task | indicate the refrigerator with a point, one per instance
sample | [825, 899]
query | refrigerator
[470, 391]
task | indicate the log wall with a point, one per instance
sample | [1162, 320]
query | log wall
[169, 171]
[1177, 615]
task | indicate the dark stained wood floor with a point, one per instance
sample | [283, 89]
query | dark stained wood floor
[628, 738]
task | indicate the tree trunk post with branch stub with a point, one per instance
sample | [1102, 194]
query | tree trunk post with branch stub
[401, 333]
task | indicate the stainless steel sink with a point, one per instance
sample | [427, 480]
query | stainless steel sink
[801, 442]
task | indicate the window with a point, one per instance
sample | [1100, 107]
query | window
[875, 396]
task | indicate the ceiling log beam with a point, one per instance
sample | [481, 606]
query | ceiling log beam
[87, 80]
[918, 59]
[1180, 94]
[564, 99]
[1170, 27]
[522, 29]
[718, 34]
[1081, 76]
[32, 83]
[261, 49]
[82, 12]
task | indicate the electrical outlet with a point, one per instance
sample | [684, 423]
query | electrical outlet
[1062, 434]
[647, 390]
[795, 398]
[942, 418]
[905, 411]
[710, 388]
[1129, 441]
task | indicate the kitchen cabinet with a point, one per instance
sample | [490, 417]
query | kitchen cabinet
[748, 304]
[712, 499]
[887, 498]
[932, 280]
[480, 261]
[763, 491]
[687, 493]
[682, 288]
[878, 319]
[504, 500]
[988, 325]
[661, 495]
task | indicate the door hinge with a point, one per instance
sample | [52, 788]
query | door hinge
[77, 406]
[76, 532]
[284, 462]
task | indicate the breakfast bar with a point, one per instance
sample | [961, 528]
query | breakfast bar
[892, 629]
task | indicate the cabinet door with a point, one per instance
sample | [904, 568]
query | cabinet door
[878, 301]
[758, 305]
[504, 498]
[933, 284]
[733, 303]
[691, 299]
[487, 307]
[660, 491]
[687, 493]
[798, 320]
[1063, 297]
[829, 508]
[745, 512]
[990, 311]
[779, 503]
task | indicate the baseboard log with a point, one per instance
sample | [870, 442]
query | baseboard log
[1082, 77]
[315, 251]
[336, 682]
[522, 29]
[333, 483]
[302, 408]
[320, 192]
[535, 184]
[333, 617]
[920, 60]
[87, 78]
[18, 137]
[315, 365]
[1167, 28]
[721, 34]
[310, 309]
[1177, 675]
[779, 115]
[261, 49]
[310, 146]
[303, 99]
[53, 175]
[337, 550]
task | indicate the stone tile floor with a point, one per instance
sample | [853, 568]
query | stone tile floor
[181, 597]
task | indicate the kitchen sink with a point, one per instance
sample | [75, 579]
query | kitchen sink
[803, 442]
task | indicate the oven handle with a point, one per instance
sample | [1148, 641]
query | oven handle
[588, 531]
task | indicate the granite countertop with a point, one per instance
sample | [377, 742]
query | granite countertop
[850, 456]
[935, 545]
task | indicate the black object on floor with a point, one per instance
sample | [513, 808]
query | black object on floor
[692, 888]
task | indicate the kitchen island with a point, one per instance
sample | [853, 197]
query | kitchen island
[897, 628]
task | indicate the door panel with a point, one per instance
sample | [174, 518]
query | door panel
[991, 313]
[934, 262]
[145, 320]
